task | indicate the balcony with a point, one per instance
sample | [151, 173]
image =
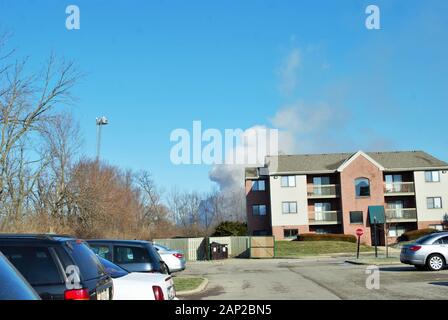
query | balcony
[316, 191]
[324, 217]
[399, 188]
[401, 215]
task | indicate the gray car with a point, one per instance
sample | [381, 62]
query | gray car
[175, 260]
[131, 255]
[429, 252]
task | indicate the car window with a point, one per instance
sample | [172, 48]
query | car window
[102, 251]
[154, 255]
[443, 240]
[12, 284]
[130, 254]
[162, 248]
[424, 239]
[36, 264]
[87, 261]
[112, 269]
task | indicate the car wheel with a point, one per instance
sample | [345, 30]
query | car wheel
[435, 262]
[167, 270]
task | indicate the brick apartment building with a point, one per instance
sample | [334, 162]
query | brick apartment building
[340, 192]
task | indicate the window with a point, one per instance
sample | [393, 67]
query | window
[396, 230]
[88, 263]
[432, 176]
[288, 181]
[321, 180]
[102, 251]
[258, 185]
[36, 264]
[356, 217]
[362, 186]
[289, 207]
[123, 255]
[323, 231]
[434, 203]
[259, 210]
[443, 240]
[394, 182]
[290, 233]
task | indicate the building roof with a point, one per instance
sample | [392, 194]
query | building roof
[325, 163]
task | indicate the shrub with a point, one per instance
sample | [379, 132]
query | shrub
[326, 237]
[230, 228]
[415, 234]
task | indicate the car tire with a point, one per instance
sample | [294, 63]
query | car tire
[167, 270]
[435, 262]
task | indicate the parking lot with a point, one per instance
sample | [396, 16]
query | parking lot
[325, 278]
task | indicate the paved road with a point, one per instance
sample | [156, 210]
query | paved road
[326, 278]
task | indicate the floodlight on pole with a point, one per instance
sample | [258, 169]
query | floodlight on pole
[102, 121]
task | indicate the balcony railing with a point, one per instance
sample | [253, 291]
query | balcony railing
[391, 188]
[401, 214]
[323, 191]
[324, 217]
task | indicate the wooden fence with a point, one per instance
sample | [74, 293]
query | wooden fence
[239, 247]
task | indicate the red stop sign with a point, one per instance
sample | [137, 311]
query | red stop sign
[359, 232]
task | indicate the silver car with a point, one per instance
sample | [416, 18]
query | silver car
[175, 260]
[429, 252]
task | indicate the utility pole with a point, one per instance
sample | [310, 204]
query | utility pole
[102, 121]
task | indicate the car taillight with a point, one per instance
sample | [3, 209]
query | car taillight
[415, 248]
[178, 255]
[158, 293]
[77, 294]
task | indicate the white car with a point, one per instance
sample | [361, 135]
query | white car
[139, 285]
[175, 260]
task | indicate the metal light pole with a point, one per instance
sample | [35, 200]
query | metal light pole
[102, 121]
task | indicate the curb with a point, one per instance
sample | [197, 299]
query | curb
[377, 264]
[200, 288]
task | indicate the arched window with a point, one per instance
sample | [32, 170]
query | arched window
[362, 186]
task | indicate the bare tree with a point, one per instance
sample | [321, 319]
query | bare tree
[154, 214]
[186, 208]
[27, 101]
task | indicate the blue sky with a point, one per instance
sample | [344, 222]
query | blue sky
[154, 66]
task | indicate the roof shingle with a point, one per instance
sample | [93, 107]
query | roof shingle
[396, 160]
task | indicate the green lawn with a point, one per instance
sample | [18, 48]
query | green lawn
[291, 249]
[186, 283]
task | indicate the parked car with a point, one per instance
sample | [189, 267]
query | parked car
[139, 285]
[175, 260]
[58, 267]
[429, 252]
[12, 284]
[131, 255]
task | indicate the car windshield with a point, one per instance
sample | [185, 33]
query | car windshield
[112, 269]
[163, 248]
[86, 260]
[424, 239]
